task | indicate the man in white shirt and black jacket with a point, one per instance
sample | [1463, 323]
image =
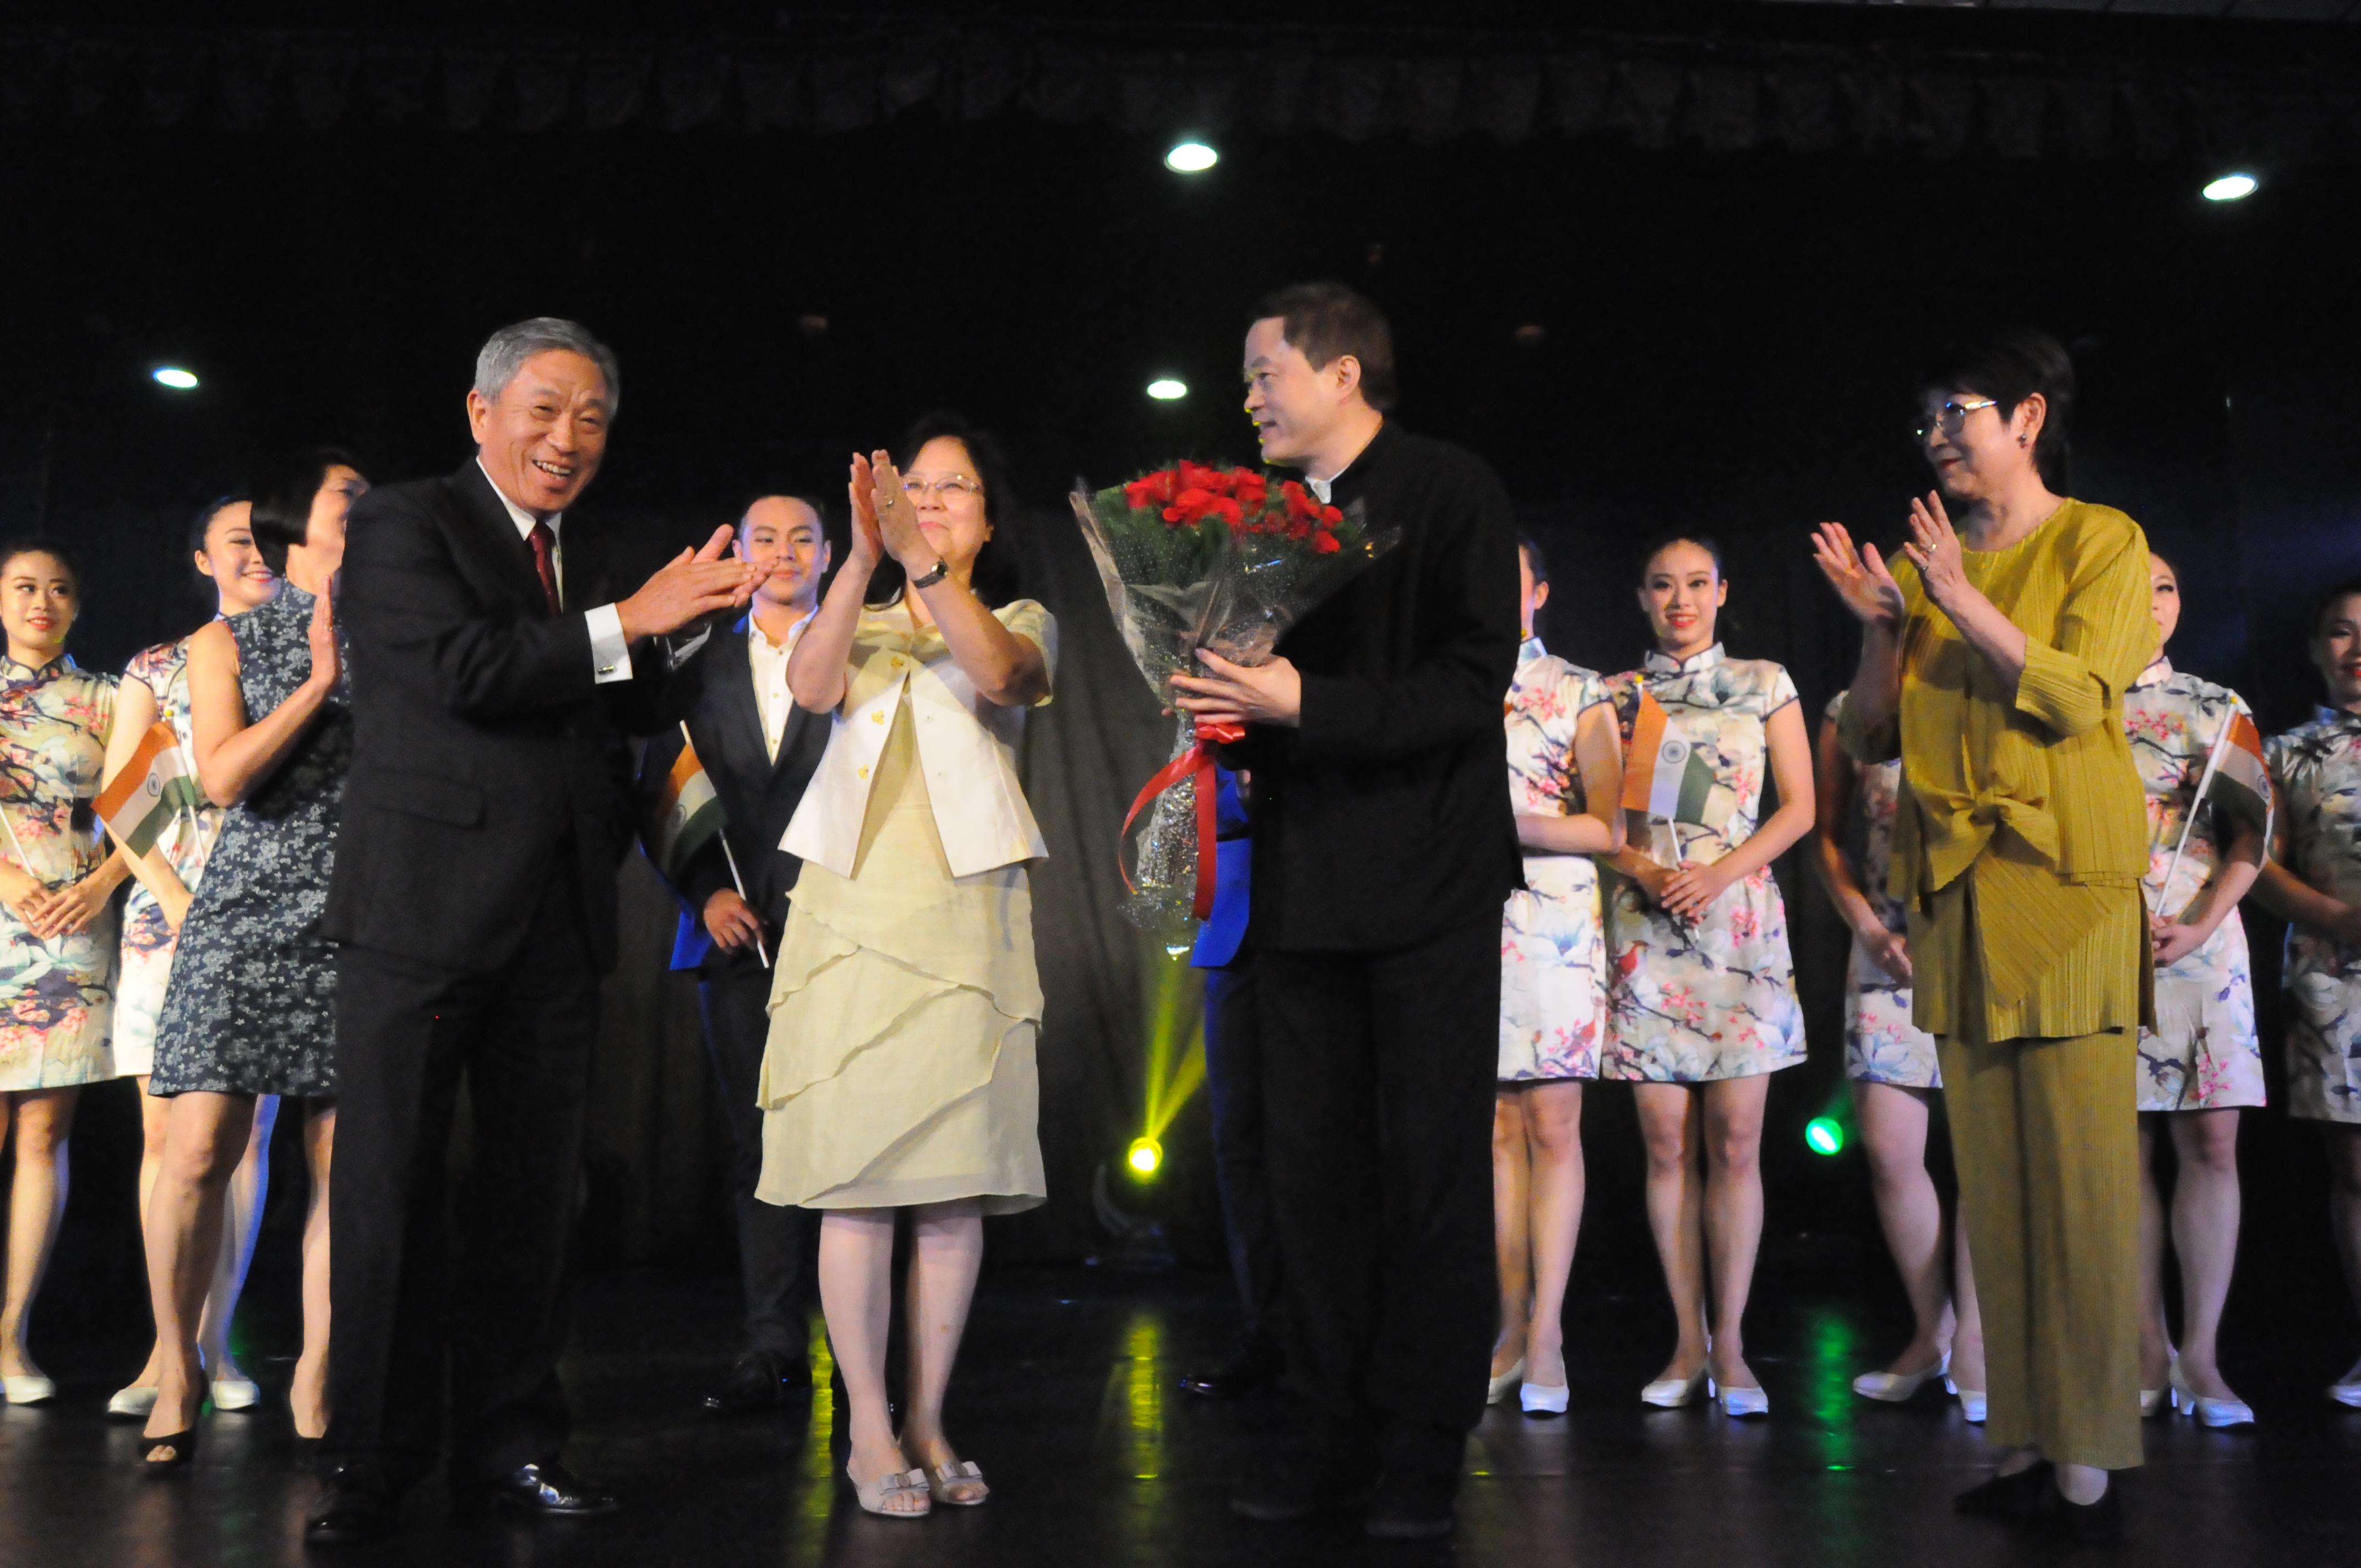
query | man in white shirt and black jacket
[495, 675]
[759, 749]
[1383, 849]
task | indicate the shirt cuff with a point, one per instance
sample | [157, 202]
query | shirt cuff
[610, 656]
[2059, 691]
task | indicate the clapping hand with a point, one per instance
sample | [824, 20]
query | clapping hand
[868, 545]
[897, 517]
[1859, 576]
[692, 586]
[1934, 549]
[322, 636]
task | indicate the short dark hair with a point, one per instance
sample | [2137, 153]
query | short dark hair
[34, 544]
[282, 500]
[1665, 542]
[994, 580]
[201, 525]
[1325, 321]
[2349, 588]
[819, 507]
[2008, 365]
[1535, 562]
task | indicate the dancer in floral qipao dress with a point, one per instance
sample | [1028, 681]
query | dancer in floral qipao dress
[2313, 881]
[2202, 1061]
[1702, 987]
[1566, 774]
[1895, 1081]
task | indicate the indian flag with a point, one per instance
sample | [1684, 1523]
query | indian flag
[154, 786]
[1663, 773]
[2238, 781]
[687, 814]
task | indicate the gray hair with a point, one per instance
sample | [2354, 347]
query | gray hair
[505, 352]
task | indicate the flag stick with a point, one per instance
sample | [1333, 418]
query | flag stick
[2212, 762]
[731, 861]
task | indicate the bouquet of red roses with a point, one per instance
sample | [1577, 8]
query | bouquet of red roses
[1194, 556]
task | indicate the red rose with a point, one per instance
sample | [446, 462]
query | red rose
[1189, 506]
[1197, 477]
[1152, 489]
[1325, 543]
[1228, 511]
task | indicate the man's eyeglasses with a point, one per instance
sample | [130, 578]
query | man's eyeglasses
[1950, 416]
[947, 487]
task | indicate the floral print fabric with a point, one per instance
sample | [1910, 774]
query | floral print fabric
[250, 1007]
[1716, 999]
[2316, 769]
[1882, 1044]
[148, 937]
[1552, 948]
[57, 997]
[2203, 1054]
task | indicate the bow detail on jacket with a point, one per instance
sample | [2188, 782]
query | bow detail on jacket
[1958, 826]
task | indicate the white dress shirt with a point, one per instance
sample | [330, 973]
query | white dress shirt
[768, 660]
[610, 655]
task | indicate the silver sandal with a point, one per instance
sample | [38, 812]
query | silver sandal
[874, 1496]
[964, 1472]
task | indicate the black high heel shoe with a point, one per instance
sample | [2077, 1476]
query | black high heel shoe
[183, 1445]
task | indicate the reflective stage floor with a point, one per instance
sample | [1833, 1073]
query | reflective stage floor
[1066, 1396]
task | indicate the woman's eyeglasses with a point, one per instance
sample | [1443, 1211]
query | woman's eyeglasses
[947, 487]
[1950, 416]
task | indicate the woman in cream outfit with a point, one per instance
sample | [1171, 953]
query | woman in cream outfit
[900, 1072]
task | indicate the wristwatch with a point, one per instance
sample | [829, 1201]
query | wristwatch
[942, 570]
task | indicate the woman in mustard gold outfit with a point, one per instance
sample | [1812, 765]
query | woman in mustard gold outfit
[1993, 663]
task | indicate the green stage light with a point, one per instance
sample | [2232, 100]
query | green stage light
[1824, 1135]
[1145, 1156]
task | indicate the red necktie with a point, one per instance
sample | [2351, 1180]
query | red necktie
[545, 561]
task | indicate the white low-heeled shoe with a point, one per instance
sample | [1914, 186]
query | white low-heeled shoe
[2218, 1414]
[2151, 1402]
[133, 1402]
[1744, 1402]
[1972, 1405]
[1540, 1399]
[32, 1388]
[1672, 1393]
[1897, 1388]
[236, 1393]
[1500, 1386]
[2346, 1390]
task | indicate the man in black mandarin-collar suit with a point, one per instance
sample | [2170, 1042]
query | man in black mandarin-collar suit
[1383, 850]
[759, 749]
[473, 901]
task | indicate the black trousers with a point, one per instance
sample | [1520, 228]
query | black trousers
[1234, 1084]
[735, 997]
[1377, 1071]
[414, 1316]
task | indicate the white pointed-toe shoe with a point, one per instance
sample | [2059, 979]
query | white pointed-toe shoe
[1539, 1400]
[1672, 1393]
[32, 1388]
[1498, 1388]
[1898, 1387]
[2346, 1390]
[236, 1393]
[2219, 1414]
[1744, 1402]
[132, 1403]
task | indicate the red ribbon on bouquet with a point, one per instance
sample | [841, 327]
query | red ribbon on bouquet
[1197, 762]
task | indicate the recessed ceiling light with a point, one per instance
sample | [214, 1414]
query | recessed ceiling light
[1166, 389]
[1192, 157]
[2231, 188]
[172, 375]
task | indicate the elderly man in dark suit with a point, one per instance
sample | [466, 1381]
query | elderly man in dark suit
[759, 749]
[494, 675]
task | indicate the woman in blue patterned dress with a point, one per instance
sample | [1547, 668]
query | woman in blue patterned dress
[250, 1008]
[1566, 774]
[1895, 1080]
[2313, 881]
[2203, 1060]
[156, 687]
[1702, 987]
[57, 920]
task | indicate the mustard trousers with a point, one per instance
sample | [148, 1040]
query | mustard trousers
[2046, 1139]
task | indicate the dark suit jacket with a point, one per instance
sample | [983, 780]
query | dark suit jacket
[1383, 818]
[487, 761]
[758, 795]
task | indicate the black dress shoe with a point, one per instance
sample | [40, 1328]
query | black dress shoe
[1412, 1508]
[549, 1490]
[1255, 1367]
[2021, 1494]
[2088, 1524]
[357, 1508]
[1335, 1483]
[758, 1380]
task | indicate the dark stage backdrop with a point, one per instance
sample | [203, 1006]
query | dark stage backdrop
[1702, 335]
